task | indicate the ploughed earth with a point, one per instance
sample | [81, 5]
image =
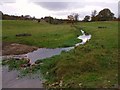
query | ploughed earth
[16, 49]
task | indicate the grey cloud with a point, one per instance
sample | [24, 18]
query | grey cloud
[53, 5]
[7, 1]
[119, 9]
[57, 6]
[112, 6]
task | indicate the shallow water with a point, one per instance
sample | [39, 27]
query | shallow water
[84, 39]
[43, 53]
[10, 79]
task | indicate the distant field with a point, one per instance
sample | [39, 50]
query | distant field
[43, 34]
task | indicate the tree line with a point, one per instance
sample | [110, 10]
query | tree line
[103, 15]
[13, 17]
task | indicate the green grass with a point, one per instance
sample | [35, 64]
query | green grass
[43, 34]
[93, 65]
[14, 64]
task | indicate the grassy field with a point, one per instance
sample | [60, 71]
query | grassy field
[93, 65]
[43, 34]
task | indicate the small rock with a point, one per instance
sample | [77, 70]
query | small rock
[17, 58]
[17, 78]
[38, 62]
[24, 65]
[41, 63]
[47, 73]
[55, 84]
[61, 82]
[80, 84]
[29, 64]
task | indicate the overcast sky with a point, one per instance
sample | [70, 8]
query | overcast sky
[56, 8]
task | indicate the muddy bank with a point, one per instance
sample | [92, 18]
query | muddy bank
[42, 53]
[16, 49]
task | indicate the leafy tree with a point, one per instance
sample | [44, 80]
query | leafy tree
[119, 16]
[105, 15]
[1, 14]
[49, 19]
[86, 19]
[71, 18]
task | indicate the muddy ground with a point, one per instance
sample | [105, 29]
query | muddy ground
[16, 49]
[11, 79]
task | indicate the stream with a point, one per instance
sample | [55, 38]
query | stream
[43, 53]
[11, 80]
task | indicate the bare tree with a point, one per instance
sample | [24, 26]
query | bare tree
[73, 17]
[76, 16]
[94, 13]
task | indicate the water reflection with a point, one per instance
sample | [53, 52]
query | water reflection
[43, 53]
